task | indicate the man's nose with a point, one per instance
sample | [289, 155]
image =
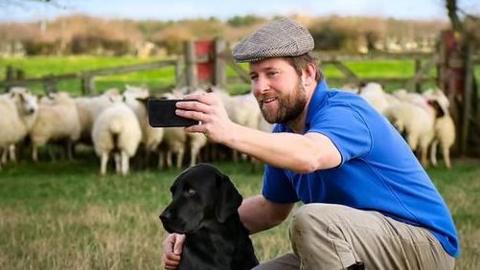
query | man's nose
[260, 85]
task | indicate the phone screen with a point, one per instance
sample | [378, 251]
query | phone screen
[161, 113]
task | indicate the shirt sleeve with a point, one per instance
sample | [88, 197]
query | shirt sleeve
[277, 187]
[346, 129]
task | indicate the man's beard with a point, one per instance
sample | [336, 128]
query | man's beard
[289, 107]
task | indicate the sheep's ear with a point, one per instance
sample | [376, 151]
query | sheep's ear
[228, 198]
[22, 97]
[436, 106]
[142, 100]
[361, 85]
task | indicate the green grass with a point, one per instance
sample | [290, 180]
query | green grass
[161, 79]
[42, 66]
[62, 215]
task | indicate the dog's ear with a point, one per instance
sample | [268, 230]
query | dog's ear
[228, 198]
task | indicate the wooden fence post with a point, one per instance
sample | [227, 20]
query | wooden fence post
[9, 73]
[418, 65]
[190, 64]
[49, 85]
[20, 74]
[179, 73]
[220, 78]
[467, 101]
[88, 85]
[9, 76]
[442, 51]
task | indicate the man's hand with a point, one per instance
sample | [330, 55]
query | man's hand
[210, 111]
[172, 250]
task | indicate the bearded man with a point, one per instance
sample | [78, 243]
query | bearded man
[367, 202]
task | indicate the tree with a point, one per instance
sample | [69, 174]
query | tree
[466, 25]
[452, 9]
[27, 3]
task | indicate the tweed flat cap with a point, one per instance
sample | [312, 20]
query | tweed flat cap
[282, 37]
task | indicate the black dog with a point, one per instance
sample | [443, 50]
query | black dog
[204, 208]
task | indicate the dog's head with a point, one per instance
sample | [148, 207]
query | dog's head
[200, 195]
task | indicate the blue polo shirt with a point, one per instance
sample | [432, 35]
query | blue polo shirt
[378, 170]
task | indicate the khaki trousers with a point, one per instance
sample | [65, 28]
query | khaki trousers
[333, 237]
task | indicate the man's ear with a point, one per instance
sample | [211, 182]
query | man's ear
[309, 74]
[228, 198]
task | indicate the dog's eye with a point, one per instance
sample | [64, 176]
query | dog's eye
[190, 192]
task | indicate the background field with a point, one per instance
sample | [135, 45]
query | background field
[62, 215]
[163, 79]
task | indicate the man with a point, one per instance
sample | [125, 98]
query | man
[368, 202]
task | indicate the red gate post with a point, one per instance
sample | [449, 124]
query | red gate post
[451, 75]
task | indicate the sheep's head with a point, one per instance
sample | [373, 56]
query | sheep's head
[25, 102]
[136, 92]
[437, 99]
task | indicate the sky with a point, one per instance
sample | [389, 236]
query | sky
[28, 10]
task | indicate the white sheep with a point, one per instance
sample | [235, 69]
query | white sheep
[90, 107]
[11, 126]
[414, 98]
[444, 130]
[18, 110]
[136, 99]
[58, 119]
[416, 122]
[174, 142]
[116, 130]
[196, 142]
[176, 139]
[241, 109]
[374, 94]
[444, 127]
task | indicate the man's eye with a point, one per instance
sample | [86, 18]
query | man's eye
[253, 77]
[272, 73]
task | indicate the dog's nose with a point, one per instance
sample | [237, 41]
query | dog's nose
[165, 216]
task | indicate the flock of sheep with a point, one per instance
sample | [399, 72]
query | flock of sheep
[423, 119]
[114, 123]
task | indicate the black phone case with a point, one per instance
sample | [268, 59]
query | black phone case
[161, 113]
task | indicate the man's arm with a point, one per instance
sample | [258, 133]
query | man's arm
[300, 153]
[259, 214]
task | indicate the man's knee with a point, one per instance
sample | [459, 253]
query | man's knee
[312, 222]
[317, 238]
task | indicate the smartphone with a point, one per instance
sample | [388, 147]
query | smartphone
[161, 113]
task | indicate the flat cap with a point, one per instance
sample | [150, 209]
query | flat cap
[282, 37]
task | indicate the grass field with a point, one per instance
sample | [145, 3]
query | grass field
[62, 215]
[162, 79]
